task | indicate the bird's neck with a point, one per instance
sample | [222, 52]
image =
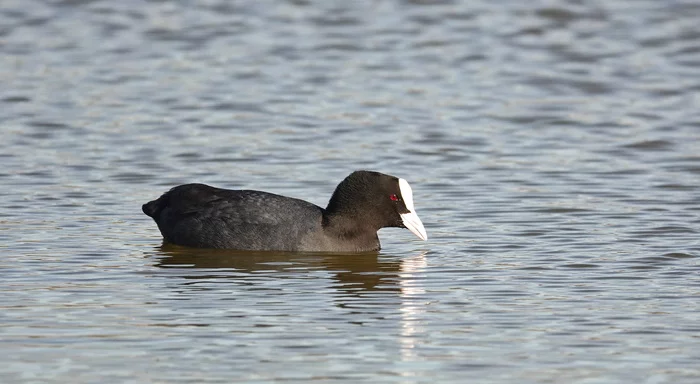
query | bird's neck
[360, 233]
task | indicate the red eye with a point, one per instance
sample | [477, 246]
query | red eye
[394, 198]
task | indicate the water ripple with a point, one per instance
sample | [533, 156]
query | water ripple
[552, 148]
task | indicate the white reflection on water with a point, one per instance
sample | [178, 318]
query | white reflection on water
[411, 305]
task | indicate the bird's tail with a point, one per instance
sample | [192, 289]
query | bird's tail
[153, 208]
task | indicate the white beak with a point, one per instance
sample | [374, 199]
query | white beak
[410, 219]
[413, 223]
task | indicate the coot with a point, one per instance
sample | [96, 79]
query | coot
[201, 216]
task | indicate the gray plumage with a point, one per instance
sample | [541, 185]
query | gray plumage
[198, 215]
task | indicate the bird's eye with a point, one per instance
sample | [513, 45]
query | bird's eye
[394, 198]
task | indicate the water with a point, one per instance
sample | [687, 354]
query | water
[552, 147]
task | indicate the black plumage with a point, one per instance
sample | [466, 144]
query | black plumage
[202, 216]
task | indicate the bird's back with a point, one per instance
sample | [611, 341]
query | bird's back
[203, 216]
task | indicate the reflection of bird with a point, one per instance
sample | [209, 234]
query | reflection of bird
[201, 216]
[353, 273]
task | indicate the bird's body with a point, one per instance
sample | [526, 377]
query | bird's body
[202, 216]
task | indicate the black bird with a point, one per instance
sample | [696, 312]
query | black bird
[201, 216]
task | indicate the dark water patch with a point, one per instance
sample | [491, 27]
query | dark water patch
[644, 267]
[39, 135]
[48, 125]
[16, 99]
[187, 108]
[620, 277]
[218, 126]
[507, 293]
[651, 145]
[644, 332]
[38, 174]
[47, 198]
[229, 160]
[81, 167]
[132, 177]
[188, 155]
[239, 107]
[588, 290]
[677, 187]
[333, 19]
[338, 47]
[536, 268]
[623, 172]
[679, 255]
[663, 230]
[579, 266]
[562, 210]
[691, 169]
[77, 195]
[68, 205]
[532, 233]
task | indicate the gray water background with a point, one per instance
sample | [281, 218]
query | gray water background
[552, 147]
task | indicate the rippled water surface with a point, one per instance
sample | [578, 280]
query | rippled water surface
[552, 146]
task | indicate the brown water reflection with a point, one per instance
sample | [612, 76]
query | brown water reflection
[369, 286]
[352, 273]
